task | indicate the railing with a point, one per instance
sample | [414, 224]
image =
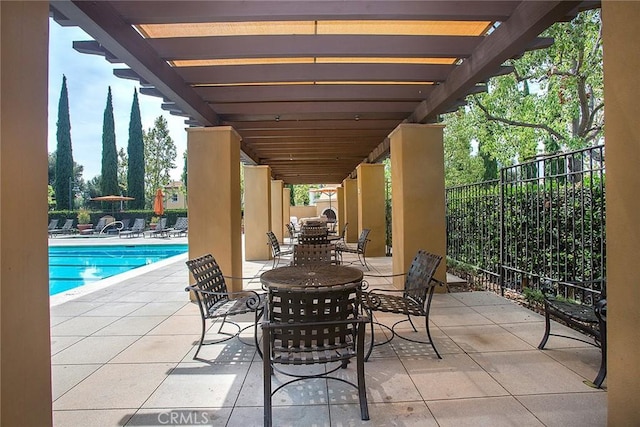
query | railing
[542, 220]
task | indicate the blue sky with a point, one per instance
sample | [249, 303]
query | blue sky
[88, 79]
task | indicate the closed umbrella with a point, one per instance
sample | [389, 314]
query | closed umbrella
[158, 205]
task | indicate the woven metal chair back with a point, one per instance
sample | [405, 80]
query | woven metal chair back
[312, 254]
[181, 223]
[363, 239]
[311, 239]
[418, 280]
[291, 231]
[312, 307]
[273, 242]
[314, 230]
[209, 278]
[138, 224]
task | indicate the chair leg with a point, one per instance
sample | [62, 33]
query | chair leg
[411, 322]
[547, 327]
[362, 388]
[602, 373]
[363, 261]
[370, 314]
[255, 332]
[426, 325]
[266, 377]
[204, 325]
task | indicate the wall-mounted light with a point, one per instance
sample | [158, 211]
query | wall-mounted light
[357, 117]
[277, 118]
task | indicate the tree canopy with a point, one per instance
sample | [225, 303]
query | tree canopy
[552, 101]
[109, 175]
[135, 151]
[160, 156]
[64, 157]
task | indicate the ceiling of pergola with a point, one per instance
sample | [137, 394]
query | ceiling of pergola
[312, 87]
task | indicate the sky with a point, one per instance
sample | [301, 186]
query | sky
[88, 80]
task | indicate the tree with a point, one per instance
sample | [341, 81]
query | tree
[553, 99]
[160, 155]
[460, 165]
[64, 156]
[136, 163]
[123, 161]
[109, 182]
[184, 175]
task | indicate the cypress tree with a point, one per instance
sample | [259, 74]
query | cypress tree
[135, 149]
[64, 155]
[109, 183]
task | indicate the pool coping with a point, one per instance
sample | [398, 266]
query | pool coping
[89, 288]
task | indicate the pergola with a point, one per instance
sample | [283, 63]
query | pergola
[313, 88]
[361, 88]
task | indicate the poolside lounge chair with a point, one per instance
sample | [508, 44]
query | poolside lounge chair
[161, 229]
[53, 224]
[67, 228]
[102, 222]
[136, 231]
[180, 228]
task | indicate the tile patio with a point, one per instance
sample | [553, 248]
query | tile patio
[122, 355]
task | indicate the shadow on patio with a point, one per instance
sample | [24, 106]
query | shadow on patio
[123, 356]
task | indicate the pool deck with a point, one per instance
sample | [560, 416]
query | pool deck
[122, 355]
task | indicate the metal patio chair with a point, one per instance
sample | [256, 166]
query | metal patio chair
[313, 325]
[360, 250]
[217, 303]
[276, 251]
[413, 300]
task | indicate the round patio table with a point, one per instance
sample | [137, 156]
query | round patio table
[311, 275]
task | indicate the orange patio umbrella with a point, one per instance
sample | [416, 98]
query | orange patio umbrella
[158, 206]
[112, 198]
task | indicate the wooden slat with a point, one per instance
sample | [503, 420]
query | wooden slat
[327, 45]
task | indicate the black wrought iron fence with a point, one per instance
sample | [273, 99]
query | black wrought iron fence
[542, 220]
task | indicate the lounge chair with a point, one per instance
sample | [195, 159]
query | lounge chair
[67, 228]
[180, 228]
[161, 229]
[136, 231]
[53, 224]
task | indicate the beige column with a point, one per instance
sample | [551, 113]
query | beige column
[418, 206]
[257, 212]
[276, 208]
[371, 206]
[214, 198]
[286, 209]
[351, 208]
[25, 359]
[340, 207]
[621, 65]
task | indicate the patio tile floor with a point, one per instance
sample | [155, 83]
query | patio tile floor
[122, 355]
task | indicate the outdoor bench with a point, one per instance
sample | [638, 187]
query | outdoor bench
[582, 306]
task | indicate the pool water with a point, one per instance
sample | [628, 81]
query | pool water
[73, 266]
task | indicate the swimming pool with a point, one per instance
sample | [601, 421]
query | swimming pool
[73, 266]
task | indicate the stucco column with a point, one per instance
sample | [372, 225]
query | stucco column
[25, 360]
[286, 209]
[351, 208]
[214, 198]
[371, 206]
[340, 207]
[257, 212]
[418, 205]
[277, 217]
[621, 64]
